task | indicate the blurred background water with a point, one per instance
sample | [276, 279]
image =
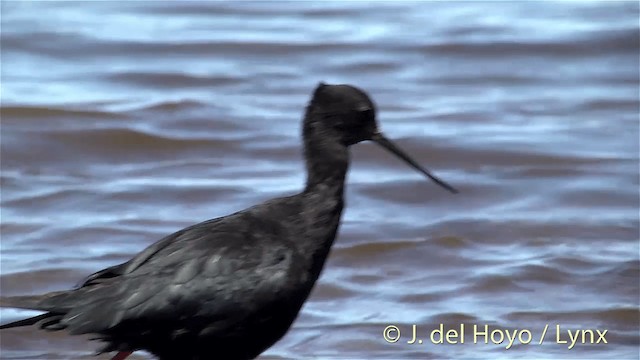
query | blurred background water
[122, 122]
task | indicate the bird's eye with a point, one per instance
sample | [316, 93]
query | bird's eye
[366, 114]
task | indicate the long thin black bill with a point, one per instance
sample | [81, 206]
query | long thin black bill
[387, 144]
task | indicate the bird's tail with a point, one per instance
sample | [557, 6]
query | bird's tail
[57, 304]
[48, 321]
[34, 320]
[22, 302]
[57, 301]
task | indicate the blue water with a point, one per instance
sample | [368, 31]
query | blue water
[122, 122]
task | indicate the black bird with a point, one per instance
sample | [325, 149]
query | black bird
[226, 288]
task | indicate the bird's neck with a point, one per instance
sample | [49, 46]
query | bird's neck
[327, 163]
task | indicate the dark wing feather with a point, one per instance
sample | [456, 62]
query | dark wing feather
[26, 322]
[194, 276]
[141, 258]
[105, 274]
[200, 281]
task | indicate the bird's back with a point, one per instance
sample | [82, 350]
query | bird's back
[231, 285]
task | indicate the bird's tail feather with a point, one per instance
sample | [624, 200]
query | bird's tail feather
[22, 302]
[57, 301]
[48, 321]
[25, 322]
[51, 303]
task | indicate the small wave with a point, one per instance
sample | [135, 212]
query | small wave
[24, 283]
[618, 317]
[100, 48]
[330, 292]
[453, 319]
[601, 43]
[494, 283]
[124, 139]
[631, 104]
[22, 113]
[575, 264]
[486, 231]
[374, 249]
[155, 79]
[451, 242]
[376, 67]
[50, 198]
[540, 273]
[423, 298]
[484, 79]
[169, 106]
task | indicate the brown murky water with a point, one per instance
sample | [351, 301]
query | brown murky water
[125, 121]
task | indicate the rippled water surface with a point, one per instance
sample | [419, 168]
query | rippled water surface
[125, 121]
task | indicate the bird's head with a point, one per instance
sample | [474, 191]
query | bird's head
[348, 114]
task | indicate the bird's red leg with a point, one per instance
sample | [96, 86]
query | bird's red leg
[121, 355]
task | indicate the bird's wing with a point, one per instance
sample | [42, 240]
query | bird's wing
[142, 257]
[103, 275]
[204, 273]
